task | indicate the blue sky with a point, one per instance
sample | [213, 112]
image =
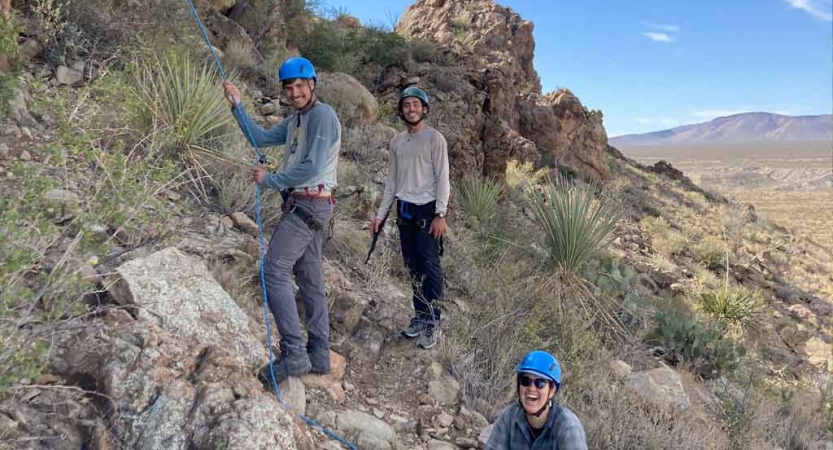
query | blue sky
[656, 64]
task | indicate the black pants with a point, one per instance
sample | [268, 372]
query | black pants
[421, 253]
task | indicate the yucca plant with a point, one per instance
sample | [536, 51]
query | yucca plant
[182, 99]
[479, 195]
[576, 223]
[732, 303]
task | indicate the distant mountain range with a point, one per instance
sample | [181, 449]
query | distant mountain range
[745, 127]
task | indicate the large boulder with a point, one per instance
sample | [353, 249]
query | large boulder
[174, 391]
[353, 103]
[178, 293]
[661, 386]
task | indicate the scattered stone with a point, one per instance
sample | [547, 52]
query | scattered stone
[173, 196]
[244, 223]
[294, 394]
[4, 151]
[443, 387]
[68, 76]
[227, 223]
[348, 386]
[794, 335]
[267, 109]
[400, 423]
[474, 416]
[331, 382]
[444, 419]
[12, 130]
[821, 307]
[459, 423]
[466, 443]
[620, 369]
[371, 432]
[24, 156]
[372, 401]
[677, 289]
[820, 354]
[485, 433]
[61, 196]
[29, 49]
[801, 312]
[7, 425]
[439, 445]
[378, 413]
[662, 386]
[27, 133]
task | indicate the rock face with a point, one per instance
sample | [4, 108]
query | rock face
[178, 293]
[486, 97]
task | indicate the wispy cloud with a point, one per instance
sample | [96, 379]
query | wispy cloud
[663, 27]
[657, 37]
[823, 9]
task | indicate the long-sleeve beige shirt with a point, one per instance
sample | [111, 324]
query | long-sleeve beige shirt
[418, 170]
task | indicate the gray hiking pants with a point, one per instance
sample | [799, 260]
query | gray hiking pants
[296, 248]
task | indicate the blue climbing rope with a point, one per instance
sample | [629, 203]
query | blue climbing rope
[261, 159]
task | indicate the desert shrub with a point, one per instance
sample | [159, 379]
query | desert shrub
[735, 304]
[664, 240]
[712, 252]
[182, 100]
[523, 174]
[8, 89]
[700, 347]
[478, 196]
[367, 144]
[575, 222]
[9, 29]
[361, 52]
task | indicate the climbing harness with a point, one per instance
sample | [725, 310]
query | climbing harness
[262, 160]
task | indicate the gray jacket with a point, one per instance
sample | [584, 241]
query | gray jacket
[562, 431]
[313, 142]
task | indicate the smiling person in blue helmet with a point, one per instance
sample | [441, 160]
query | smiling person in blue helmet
[536, 422]
[312, 135]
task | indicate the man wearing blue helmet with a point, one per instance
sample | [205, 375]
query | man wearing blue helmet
[536, 422]
[419, 182]
[312, 135]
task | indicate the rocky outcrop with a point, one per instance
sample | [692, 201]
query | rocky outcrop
[661, 386]
[488, 103]
[566, 132]
[177, 292]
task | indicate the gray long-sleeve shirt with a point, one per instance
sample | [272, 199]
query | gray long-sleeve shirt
[313, 142]
[418, 170]
[562, 431]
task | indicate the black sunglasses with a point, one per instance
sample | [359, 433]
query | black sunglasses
[539, 382]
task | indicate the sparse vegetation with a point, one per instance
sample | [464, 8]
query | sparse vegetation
[699, 347]
[575, 222]
[479, 196]
[712, 251]
[735, 304]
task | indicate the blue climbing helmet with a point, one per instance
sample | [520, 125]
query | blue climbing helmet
[542, 364]
[297, 67]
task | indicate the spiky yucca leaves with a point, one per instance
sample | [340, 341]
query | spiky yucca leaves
[576, 223]
[479, 195]
[183, 100]
[733, 303]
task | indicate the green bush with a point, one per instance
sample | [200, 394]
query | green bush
[735, 304]
[575, 222]
[183, 101]
[8, 87]
[712, 252]
[360, 52]
[700, 347]
[478, 196]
